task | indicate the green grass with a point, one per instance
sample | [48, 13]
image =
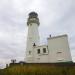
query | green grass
[39, 69]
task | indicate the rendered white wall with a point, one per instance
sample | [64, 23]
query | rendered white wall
[33, 37]
[42, 57]
[59, 50]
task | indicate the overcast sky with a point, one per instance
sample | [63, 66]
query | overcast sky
[57, 17]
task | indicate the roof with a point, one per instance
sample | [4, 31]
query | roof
[65, 35]
[40, 46]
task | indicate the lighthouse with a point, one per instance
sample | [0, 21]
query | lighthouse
[55, 51]
[33, 35]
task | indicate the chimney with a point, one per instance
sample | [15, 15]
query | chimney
[50, 35]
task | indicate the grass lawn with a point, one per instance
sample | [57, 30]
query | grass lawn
[40, 69]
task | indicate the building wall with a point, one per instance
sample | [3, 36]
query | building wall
[59, 50]
[41, 57]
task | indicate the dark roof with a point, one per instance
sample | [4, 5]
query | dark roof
[33, 14]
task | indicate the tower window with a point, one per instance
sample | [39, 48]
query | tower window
[38, 51]
[44, 50]
[29, 52]
[30, 24]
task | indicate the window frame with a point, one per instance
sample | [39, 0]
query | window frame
[38, 51]
[44, 50]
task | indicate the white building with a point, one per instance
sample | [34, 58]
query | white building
[56, 50]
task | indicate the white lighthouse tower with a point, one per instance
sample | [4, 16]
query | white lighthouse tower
[33, 36]
[55, 51]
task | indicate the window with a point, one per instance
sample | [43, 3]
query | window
[38, 51]
[44, 50]
[59, 52]
[29, 52]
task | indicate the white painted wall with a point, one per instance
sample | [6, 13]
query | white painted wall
[33, 37]
[59, 50]
[42, 57]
